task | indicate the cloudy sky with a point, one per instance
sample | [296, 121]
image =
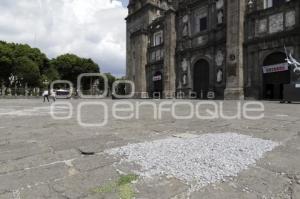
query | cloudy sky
[88, 28]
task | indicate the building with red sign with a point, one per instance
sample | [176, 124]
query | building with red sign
[194, 47]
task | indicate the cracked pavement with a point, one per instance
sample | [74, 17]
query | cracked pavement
[44, 158]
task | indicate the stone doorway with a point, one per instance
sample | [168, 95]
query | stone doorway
[274, 80]
[158, 83]
[201, 78]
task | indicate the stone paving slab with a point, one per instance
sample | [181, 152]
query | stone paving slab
[40, 157]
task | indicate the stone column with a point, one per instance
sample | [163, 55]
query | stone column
[140, 63]
[129, 57]
[169, 54]
[137, 44]
[234, 44]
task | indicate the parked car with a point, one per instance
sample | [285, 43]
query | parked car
[62, 94]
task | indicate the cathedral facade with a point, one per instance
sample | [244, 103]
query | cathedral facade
[214, 49]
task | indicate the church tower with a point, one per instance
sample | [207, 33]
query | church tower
[140, 15]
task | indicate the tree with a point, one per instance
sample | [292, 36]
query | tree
[28, 71]
[33, 66]
[6, 62]
[70, 66]
[34, 54]
[51, 74]
[5, 68]
[111, 79]
[12, 57]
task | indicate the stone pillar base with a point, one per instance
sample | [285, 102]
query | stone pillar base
[141, 95]
[234, 94]
[169, 94]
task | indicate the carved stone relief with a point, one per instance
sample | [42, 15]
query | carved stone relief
[201, 40]
[290, 19]
[276, 23]
[262, 26]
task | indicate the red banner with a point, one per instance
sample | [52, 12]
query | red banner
[276, 68]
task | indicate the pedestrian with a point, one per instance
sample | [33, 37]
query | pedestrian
[46, 95]
[53, 95]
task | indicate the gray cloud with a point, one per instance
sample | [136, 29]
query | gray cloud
[89, 28]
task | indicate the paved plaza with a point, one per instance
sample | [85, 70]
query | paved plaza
[42, 157]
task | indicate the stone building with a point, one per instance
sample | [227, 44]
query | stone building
[270, 25]
[211, 48]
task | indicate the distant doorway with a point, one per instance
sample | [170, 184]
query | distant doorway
[158, 83]
[273, 81]
[201, 78]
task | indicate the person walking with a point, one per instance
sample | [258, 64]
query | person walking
[53, 95]
[46, 95]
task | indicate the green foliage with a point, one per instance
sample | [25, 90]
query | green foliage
[6, 61]
[123, 187]
[22, 61]
[126, 179]
[111, 79]
[107, 188]
[28, 71]
[126, 191]
[33, 67]
[5, 67]
[70, 66]
[51, 74]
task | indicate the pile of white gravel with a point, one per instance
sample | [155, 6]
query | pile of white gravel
[198, 161]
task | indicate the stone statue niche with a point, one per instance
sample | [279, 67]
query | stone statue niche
[219, 76]
[185, 24]
[220, 16]
[184, 68]
[219, 4]
[184, 79]
[220, 11]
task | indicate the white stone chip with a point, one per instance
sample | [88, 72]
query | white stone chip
[199, 161]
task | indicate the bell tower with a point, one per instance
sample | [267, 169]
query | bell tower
[140, 15]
